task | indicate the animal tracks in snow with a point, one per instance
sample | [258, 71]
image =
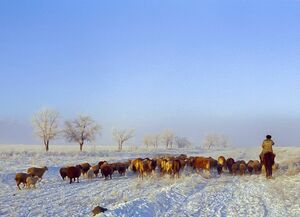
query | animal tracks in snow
[190, 195]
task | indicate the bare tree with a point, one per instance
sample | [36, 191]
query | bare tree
[156, 139]
[82, 129]
[148, 140]
[167, 138]
[212, 141]
[45, 124]
[122, 136]
[151, 140]
[182, 142]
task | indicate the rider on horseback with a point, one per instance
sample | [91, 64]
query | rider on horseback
[267, 146]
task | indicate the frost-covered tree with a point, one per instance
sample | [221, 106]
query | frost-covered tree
[148, 140]
[167, 138]
[80, 130]
[45, 124]
[122, 136]
[212, 141]
[151, 140]
[182, 142]
[156, 139]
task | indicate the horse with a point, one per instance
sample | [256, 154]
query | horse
[268, 161]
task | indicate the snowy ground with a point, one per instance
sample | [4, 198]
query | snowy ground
[190, 195]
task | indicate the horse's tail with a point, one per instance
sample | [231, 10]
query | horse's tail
[268, 161]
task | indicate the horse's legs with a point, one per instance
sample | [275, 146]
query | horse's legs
[268, 171]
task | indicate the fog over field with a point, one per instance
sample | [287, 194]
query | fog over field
[241, 133]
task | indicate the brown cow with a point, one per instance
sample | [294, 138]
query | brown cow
[152, 164]
[120, 167]
[250, 165]
[221, 164]
[101, 162]
[229, 163]
[176, 166]
[201, 163]
[36, 171]
[222, 161]
[21, 178]
[134, 163]
[234, 168]
[122, 170]
[106, 170]
[147, 166]
[239, 162]
[242, 168]
[159, 163]
[170, 166]
[213, 163]
[74, 172]
[63, 172]
[115, 166]
[183, 161]
[167, 166]
[219, 168]
[162, 165]
[85, 167]
[138, 165]
[190, 161]
[256, 167]
[96, 169]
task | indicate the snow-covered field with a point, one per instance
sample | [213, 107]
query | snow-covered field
[190, 195]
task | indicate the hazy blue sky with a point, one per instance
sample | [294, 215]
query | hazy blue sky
[197, 67]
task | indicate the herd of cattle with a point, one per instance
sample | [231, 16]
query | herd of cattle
[171, 165]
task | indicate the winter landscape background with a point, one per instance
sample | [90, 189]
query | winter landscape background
[212, 77]
[190, 195]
